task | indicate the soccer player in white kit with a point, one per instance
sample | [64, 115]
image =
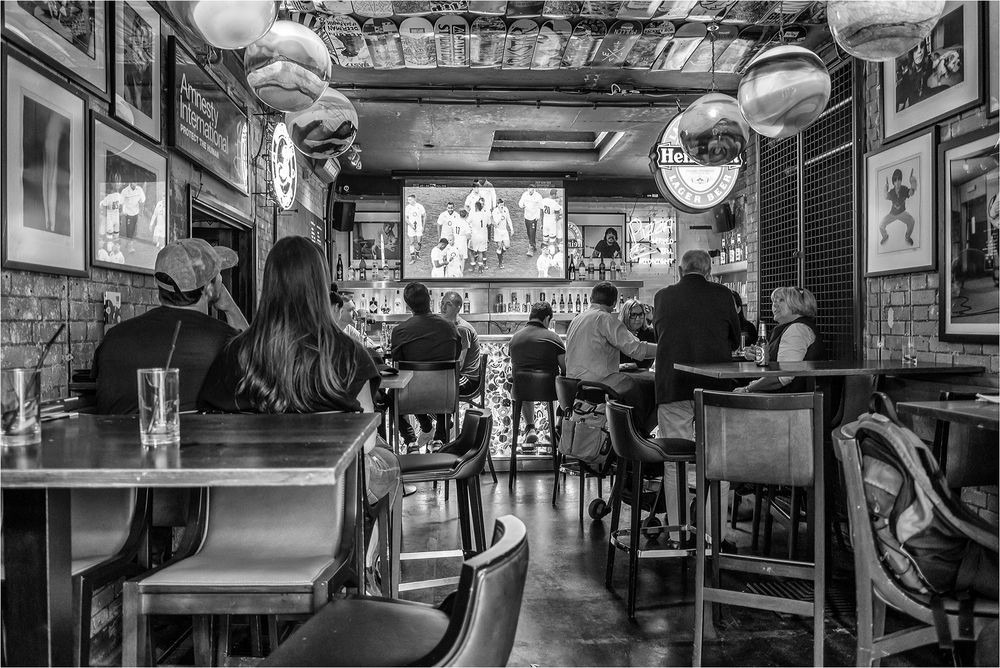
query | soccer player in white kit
[414, 215]
[550, 259]
[439, 258]
[503, 229]
[462, 234]
[551, 215]
[447, 221]
[479, 235]
[531, 202]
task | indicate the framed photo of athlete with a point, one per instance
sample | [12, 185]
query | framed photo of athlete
[375, 242]
[70, 36]
[137, 66]
[44, 164]
[969, 215]
[128, 223]
[899, 207]
[940, 76]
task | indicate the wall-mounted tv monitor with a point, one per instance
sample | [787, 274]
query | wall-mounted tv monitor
[484, 228]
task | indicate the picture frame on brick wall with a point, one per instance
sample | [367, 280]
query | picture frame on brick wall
[44, 158]
[939, 77]
[899, 207]
[969, 212]
[128, 222]
[138, 62]
[70, 36]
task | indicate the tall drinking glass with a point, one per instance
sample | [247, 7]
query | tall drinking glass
[21, 406]
[159, 406]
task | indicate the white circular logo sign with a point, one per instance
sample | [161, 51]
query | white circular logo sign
[284, 170]
[690, 187]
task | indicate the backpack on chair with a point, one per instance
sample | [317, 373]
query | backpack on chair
[934, 545]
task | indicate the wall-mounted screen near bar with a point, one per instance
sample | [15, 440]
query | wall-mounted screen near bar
[476, 227]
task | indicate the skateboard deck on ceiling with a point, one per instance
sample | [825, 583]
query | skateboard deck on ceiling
[410, 8]
[655, 37]
[793, 35]
[344, 40]
[520, 44]
[639, 9]
[791, 11]
[675, 10]
[600, 10]
[373, 9]
[621, 37]
[553, 37]
[709, 10]
[486, 45]
[701, 59]
[685, 41]
[333, 6]
[555, 9]
[749, 12]
[488, 7]
[740, 50]
[519, 9]
[451, 35]
[417, 37]
[384, 45]
[584, 42]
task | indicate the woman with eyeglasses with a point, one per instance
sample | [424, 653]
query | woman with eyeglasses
[634, 314]
[794, 339]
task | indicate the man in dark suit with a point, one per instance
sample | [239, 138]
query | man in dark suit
[695, 321]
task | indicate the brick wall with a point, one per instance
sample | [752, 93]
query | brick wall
[912, 298]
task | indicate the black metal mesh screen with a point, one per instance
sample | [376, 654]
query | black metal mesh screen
[814, 169]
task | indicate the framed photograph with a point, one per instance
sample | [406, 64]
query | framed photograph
[939, 77]
[129, 218]
[72, 36]
[969, 213]
[899, 207]
[993, 28]
[44, 187]
[375, 242]
[138, 63]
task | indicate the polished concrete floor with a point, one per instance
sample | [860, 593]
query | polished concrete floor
[568, 617]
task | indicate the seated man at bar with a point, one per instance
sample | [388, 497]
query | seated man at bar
[469, 358]
[535, 347]
[795, 339]
[594, 344]
[424, 337]
[188, 276]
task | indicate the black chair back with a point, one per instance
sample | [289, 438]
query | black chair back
[566, 391]
[629, 444]
[473, 444]
[488, 602]
[531, 385]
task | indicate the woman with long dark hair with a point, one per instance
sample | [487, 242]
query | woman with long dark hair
[294, 359]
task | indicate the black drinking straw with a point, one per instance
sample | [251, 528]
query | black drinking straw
[173, 344]
[10, 415]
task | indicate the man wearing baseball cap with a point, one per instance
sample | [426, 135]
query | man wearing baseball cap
[188, 275]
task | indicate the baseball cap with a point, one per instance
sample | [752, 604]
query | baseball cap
[189, 264]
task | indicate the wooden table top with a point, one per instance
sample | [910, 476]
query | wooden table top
[823, 368]
[981, 414]
[215, 450]
[397, 381]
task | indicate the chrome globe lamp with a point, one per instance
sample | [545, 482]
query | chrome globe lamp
[878, 30]
[289, 67]
[326, 129]
[712, 130]
[227, 24]
[783, 91]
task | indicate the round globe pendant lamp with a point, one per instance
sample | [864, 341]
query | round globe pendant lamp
[227, 24]
[879, 30]
[327, 128]
[289, 67]
[783, 90]
[712, 130]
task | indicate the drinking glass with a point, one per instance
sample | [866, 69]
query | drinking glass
[21, 406]
[910, 350]
[159, 406]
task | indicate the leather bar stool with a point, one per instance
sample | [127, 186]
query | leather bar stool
[639, 452]
[433, 390]
[531, 385]
[463, 461]
[478, 400]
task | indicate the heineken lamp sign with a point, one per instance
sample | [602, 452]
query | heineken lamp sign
[690, 187]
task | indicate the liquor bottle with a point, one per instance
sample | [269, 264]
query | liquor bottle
[562, 304]
[576, 306]
[340, 268]
[621, 300]
[739, 247]
[514, 308]
[602, 271]
[585, 304]
[385, 305]
[395, 272]
[554, 304]
[397, 304]
[572, 270]
[363, 271]
[590, 270]
[614, 270]
[723, 253]
[373, 304]
[541, 296]
[526, 306]
[581, 269]
[761, 355]
[467, 307]
[499, 307]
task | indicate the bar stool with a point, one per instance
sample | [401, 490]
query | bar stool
[639, 452]
[531, 385]
[771, 439]
[478, 400]
[463, 461]
[433, 390]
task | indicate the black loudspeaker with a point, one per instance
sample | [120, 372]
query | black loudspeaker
[724, 219]
[342, 216]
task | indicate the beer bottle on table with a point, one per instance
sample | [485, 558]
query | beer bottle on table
[761, 355]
